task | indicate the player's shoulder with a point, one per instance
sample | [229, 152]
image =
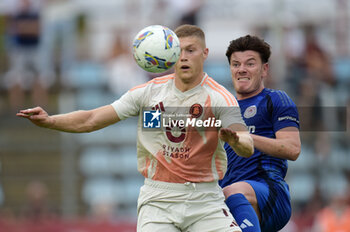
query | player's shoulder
[218, 91]
[279, 96]
[156, 82]
[274, 92]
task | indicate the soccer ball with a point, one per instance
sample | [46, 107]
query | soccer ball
[156, 48]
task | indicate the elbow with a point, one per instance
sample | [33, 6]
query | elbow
[295, 153]
[294, 156]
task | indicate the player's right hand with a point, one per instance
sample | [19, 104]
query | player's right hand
[36, 115]
[229, 136]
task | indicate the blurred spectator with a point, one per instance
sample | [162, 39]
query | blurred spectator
[317, 60]
[103, 211]
[24, 32]
[37, 207]
[58, 38]
[188, 10]
[122, 70]
[294, 46]
[316, 92]
[37, 215]
[335, 216]
[2, 40]
[318, 72]
[2, 197]
[304, 217]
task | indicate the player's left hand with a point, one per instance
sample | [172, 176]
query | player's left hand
[228, 135]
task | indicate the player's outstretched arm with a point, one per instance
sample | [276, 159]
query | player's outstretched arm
[239, 139]
[74, 122]
[286, 145]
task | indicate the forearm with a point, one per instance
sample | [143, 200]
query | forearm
[281, 148]
[74, 122]
[244, 146]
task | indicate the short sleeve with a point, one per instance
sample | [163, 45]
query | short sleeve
[230, 115]
[129, 104]
[284, 111]
[228, 110]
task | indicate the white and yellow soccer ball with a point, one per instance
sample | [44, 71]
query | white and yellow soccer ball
[156, 48]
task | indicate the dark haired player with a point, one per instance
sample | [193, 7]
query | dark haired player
[254, 187]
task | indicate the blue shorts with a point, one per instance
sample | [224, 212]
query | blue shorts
[274, 203]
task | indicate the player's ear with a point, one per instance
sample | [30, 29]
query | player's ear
[206, 53]
[265, 69]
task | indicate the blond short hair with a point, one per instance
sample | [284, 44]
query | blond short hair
[187, 30]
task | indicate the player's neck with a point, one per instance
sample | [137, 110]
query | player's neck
[185, 84]
[245, 95]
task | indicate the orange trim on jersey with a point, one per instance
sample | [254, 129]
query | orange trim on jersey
[230, 99]
[138, 86]
[226, 99]
[157, 80]
[205, 79]
[160, 81]
[235, 103]
[167, 77]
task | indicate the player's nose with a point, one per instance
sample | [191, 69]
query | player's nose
[183, 55]
[242, 69]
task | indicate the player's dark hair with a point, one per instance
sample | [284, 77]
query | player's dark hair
[189, 30]
[249, 42]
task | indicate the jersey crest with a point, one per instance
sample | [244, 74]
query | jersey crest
[250, 111]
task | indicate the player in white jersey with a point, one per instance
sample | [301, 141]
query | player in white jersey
[181, 161]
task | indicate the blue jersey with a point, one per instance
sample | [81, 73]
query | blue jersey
[264, 114]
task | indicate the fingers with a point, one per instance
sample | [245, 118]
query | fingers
[23, 115]
[30, 113]
[227, 134]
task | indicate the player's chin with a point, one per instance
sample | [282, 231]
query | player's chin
[184, 75]
[242, 84]
[242, 88]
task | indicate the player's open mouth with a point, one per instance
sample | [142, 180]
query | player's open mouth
[243, 78]
[185, 67]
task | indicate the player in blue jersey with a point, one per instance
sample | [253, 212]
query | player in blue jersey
[254, 187]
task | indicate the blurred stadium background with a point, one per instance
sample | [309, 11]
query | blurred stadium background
[51, 181]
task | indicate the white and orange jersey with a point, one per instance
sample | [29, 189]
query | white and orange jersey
[180, 155]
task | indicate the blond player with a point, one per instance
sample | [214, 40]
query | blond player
[181, 164]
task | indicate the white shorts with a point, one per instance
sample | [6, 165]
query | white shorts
[188, 207]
